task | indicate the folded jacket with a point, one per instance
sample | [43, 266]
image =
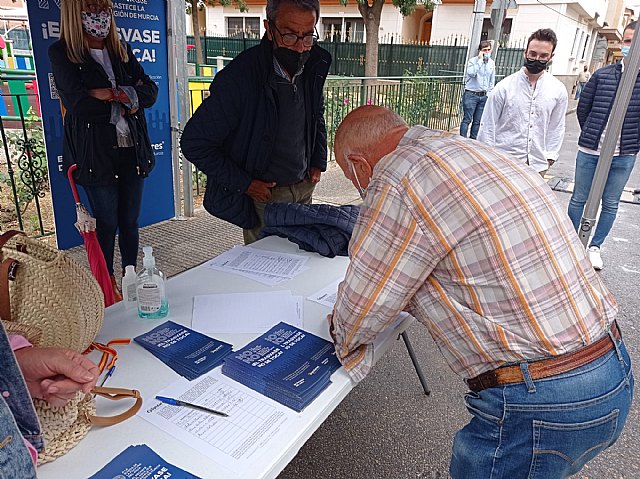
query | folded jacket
[321, 228]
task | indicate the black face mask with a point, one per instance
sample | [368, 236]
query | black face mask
[535, 66]
[290, 60]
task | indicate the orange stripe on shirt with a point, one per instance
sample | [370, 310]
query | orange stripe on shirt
[496, 241]
[387, 274]
[443, 240]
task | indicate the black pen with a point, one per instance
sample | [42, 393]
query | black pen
[177, 402]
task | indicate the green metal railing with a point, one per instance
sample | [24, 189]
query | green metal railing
[393, 59]
[432, 101]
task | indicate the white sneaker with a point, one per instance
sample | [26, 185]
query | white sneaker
[595, 258]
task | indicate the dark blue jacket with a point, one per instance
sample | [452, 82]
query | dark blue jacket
[232, 133]
[324, 229]
[594, 107]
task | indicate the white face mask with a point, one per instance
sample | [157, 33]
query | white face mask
[361, 190]
[97, 24]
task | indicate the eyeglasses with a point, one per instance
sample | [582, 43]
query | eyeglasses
[97, 8]
[290, 39]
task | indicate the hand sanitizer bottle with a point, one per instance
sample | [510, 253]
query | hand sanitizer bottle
[129, 287]
[152, 301]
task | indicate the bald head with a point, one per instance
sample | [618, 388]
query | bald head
[366, 135]
[362, 131]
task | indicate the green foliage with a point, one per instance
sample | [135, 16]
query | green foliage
[202, 4]
[29, 162]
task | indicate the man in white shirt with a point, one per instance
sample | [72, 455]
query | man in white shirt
[525, 112]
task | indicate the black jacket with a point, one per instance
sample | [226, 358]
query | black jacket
[324, 229]
[594, 107]
[90, 141]
[231, 134]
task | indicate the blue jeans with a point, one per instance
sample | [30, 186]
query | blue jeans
[548, 428]
[621, 168]
[117, 207]
[579, 88]
[473, 106]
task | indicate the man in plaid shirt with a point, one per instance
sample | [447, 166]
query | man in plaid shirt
[475, 246]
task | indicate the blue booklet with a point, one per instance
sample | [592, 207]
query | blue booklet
[140, 462]
[287, 364]
[188, 352]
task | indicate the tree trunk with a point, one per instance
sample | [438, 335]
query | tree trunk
[371, 15]
[195, 22]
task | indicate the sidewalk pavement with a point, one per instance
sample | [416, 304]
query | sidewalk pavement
[387, 428]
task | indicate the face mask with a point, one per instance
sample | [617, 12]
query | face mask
[535, 66]
[486, 56]
[625, 50]
[361, 190]
[290, 60]
[96, 24]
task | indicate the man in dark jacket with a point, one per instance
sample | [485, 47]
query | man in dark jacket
[594, 108]
[260, 136]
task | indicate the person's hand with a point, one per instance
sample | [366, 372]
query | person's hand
[260, 191]
[314, 174]
[56, 374]
[105, 94]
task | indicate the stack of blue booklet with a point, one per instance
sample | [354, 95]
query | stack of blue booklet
[287, 364]
[140, 462]
[188, 352]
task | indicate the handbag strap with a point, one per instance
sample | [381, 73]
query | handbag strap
[7, 272]
[115, 394]
[8, 235]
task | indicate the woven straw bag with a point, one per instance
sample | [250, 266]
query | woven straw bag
[51, 300]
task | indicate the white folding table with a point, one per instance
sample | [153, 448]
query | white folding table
[138, 369]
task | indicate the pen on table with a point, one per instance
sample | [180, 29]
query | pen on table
[108, 375]
[177, 402]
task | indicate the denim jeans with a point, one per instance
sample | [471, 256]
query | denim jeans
[621, 168]
[473, 106]
[579, 88]
[117, 207]
[548, 428]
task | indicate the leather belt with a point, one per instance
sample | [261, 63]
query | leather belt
[546, 367]
[477, 93]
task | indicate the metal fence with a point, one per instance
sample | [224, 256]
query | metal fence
[393, 59]
[24, 182]
[432, 101]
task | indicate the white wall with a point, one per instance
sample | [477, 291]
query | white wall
[390, 21]
[452, 20]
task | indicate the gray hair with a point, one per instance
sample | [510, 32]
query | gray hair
[366, 127]
[274, 5]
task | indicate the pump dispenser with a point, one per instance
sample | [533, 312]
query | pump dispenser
[152, 300]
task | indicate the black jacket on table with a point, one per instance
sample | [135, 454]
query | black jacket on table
[232, 133]
[90, 141]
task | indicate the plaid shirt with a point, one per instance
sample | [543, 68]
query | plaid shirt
[475, 246]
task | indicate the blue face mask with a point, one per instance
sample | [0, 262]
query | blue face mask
[625, 50]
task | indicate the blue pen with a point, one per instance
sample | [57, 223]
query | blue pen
[108, 375]
[177, 402]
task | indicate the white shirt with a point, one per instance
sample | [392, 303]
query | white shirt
[526, 122]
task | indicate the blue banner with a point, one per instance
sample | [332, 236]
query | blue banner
[142, 24]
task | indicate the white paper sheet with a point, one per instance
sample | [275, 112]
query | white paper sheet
[254, 424]
[327, 296]
[268, 267]
[245, 312]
